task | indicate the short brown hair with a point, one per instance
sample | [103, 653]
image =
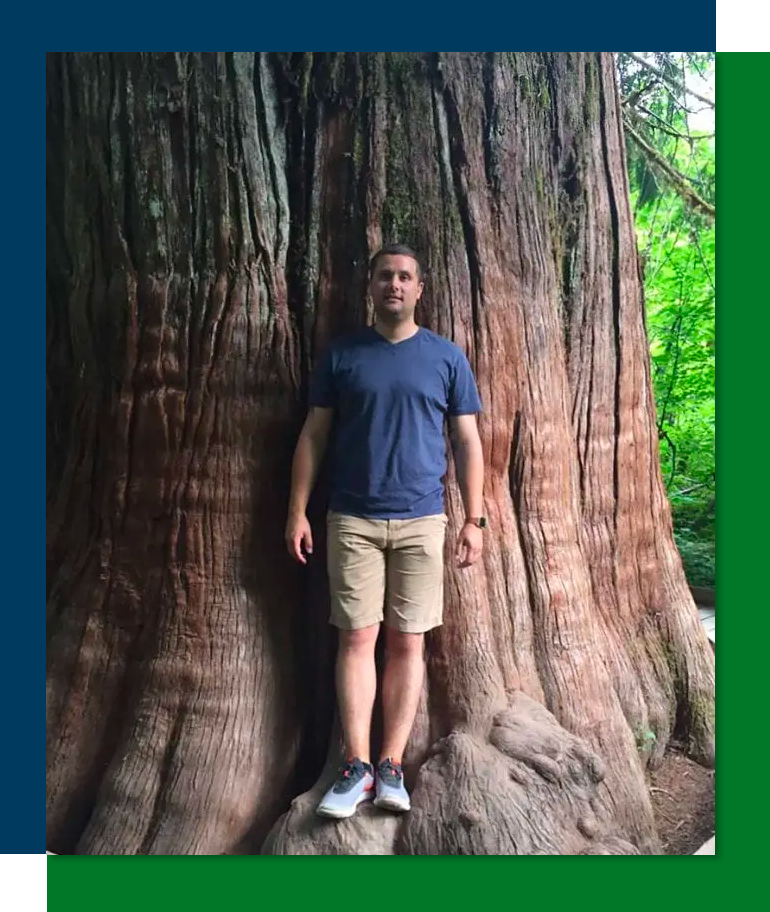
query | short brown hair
[394, 250]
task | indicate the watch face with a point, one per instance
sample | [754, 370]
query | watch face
[482, 522]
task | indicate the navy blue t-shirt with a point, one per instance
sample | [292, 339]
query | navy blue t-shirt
[391, 401]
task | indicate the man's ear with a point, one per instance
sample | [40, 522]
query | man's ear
[419, 290]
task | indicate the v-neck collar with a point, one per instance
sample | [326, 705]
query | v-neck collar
[400, 342]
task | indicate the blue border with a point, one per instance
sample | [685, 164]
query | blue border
[23, 637]
[595, 26]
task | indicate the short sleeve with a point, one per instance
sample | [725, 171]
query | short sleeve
[463, 393]
[323, 393]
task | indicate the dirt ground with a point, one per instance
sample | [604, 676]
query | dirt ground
[682, 794]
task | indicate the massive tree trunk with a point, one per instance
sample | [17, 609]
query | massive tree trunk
[210, 219]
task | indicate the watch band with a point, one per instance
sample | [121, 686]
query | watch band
[480, 521]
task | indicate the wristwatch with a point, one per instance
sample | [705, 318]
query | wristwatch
[480, 521]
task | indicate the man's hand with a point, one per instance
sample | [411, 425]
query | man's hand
[299, 537]
[469, 544]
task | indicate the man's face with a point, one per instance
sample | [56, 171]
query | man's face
[395, 288]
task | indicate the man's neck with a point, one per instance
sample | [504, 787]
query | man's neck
[396, 332]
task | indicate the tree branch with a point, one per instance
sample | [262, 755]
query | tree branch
[667, 128]
[677, 179]
[670, 81]
[631, 100]
[688, 490]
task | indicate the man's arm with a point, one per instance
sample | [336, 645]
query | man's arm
[469, 462]
[308, 456]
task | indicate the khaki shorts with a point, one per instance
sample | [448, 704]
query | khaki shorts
[386, 569]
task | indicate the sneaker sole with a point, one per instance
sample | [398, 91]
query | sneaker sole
[392, 804]
[341, 813]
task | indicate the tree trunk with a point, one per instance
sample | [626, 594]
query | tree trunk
[210, 219]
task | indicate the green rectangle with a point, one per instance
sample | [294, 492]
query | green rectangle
[743, 334]
[146, 884]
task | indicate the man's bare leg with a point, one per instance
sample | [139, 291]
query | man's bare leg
[356, 688]
[401, 688]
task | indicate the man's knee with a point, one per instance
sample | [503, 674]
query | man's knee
[359, 641]
[398, 643]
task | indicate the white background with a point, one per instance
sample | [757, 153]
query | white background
[23, 883]
[743, 25]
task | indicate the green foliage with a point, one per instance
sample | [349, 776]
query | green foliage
[645, 740]
[677, 245]
[677, 125]
[698, 557]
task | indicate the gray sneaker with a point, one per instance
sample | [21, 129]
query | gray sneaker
[391, 793]
[354, 784]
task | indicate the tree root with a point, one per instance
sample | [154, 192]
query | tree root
[528, 788]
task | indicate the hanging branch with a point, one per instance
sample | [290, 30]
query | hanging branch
[670, 81]
[677, 179]
[672, 447]
[674, 370]
[696, 240]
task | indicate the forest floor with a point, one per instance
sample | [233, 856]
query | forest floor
[683, 800]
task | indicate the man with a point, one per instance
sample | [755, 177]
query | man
[389, 389]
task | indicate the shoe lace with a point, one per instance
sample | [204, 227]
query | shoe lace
[390, 770]
[350, 774]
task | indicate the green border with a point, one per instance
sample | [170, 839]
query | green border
[743, 505]
[146, 884]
